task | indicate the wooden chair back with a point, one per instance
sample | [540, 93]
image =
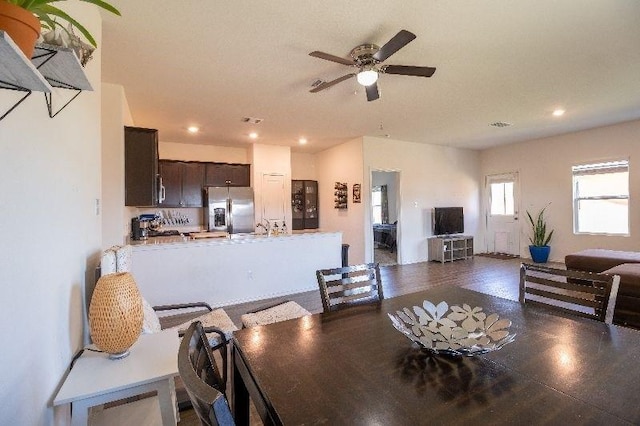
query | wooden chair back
[576, 292]
[350, 285]
[202, 379]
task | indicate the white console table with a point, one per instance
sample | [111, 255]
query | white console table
[450, 247]
[151, 366]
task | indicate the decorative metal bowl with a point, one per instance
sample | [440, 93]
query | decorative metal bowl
[462, 331]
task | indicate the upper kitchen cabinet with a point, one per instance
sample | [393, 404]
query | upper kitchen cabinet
[182, 181]
[140, 167]
[223, 174]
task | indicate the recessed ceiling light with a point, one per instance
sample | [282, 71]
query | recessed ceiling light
[193, 129]
[302, 141]
[558, 112]
[253, 135]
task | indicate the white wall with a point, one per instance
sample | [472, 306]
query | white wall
[544, 166]
[430, 176]
[194, 152]
[51, 235]
[389, 179]
[303, 166]
[271, 159]
[115, 115]
[342, 163]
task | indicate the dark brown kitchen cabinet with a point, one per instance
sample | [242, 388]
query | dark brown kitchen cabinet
[140, 167]
[182, 181]
[223, 174]
[304, 204]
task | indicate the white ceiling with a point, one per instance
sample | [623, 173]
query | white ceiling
[210, 63]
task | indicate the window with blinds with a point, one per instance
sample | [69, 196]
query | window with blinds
[601, 198]
[376, 204]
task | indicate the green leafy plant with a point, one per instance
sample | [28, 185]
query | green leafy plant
[47, 14]
[539, 226]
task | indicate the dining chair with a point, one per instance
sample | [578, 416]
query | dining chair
[349, 286]
[202, 379]
[582, 293]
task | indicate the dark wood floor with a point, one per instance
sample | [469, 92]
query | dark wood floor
[483, 274]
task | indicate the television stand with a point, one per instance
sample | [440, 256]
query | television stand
[447, 248]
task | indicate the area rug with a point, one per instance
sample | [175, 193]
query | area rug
[502, 256]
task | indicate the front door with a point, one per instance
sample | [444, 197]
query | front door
[503, 230]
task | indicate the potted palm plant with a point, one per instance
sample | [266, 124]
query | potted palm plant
[539, 247]
[24, 19]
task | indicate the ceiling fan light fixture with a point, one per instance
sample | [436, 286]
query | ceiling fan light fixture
[367, 77]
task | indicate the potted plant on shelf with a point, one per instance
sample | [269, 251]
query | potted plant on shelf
[24, 19]
[539, 247]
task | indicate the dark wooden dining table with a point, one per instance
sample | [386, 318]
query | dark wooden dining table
[353, 368]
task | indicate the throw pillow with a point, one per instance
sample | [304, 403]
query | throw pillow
[150, 322]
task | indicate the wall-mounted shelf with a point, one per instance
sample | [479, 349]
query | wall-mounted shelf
[50, 67]
[18, 73]
[61, 68]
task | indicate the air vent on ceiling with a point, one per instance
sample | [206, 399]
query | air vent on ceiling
[317, 83]
[252, 120]
[500, 124]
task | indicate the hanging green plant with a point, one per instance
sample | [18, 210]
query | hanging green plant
[48, 14]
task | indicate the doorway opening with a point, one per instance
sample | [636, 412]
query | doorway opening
[385, 200]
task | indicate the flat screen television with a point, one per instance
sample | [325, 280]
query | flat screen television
[448, 220]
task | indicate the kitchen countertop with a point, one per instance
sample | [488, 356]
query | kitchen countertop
[221, 239]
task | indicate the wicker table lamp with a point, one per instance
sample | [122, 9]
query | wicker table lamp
[115, 314]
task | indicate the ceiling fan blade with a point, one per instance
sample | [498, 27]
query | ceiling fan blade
[396, 43]
[328, 84]
[332, 58]
[408, 70]
[372, 92]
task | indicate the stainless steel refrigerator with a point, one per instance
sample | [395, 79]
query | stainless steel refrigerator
[229, 209]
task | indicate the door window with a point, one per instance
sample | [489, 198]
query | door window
[502, 199]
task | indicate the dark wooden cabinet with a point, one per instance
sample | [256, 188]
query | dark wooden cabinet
[304, 204]
[140, 167]
[183, 182]
[218, 174]
[171, 174]
[192, 183]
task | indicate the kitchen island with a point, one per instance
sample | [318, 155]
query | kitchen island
[227, 271]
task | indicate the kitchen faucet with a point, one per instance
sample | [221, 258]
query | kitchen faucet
[266, 227]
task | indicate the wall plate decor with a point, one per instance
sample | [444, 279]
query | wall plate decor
[356, 193]
[340, 192]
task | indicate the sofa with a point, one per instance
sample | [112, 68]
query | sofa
[626, 264]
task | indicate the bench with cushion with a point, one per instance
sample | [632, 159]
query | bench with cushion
[626, 264]
[281, 311]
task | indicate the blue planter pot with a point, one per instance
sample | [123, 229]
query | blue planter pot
[540, 254]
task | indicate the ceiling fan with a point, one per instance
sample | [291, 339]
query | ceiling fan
[367, 59]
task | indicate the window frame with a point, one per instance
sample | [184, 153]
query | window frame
[504, 199]
[373, 206]
[597, 168]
